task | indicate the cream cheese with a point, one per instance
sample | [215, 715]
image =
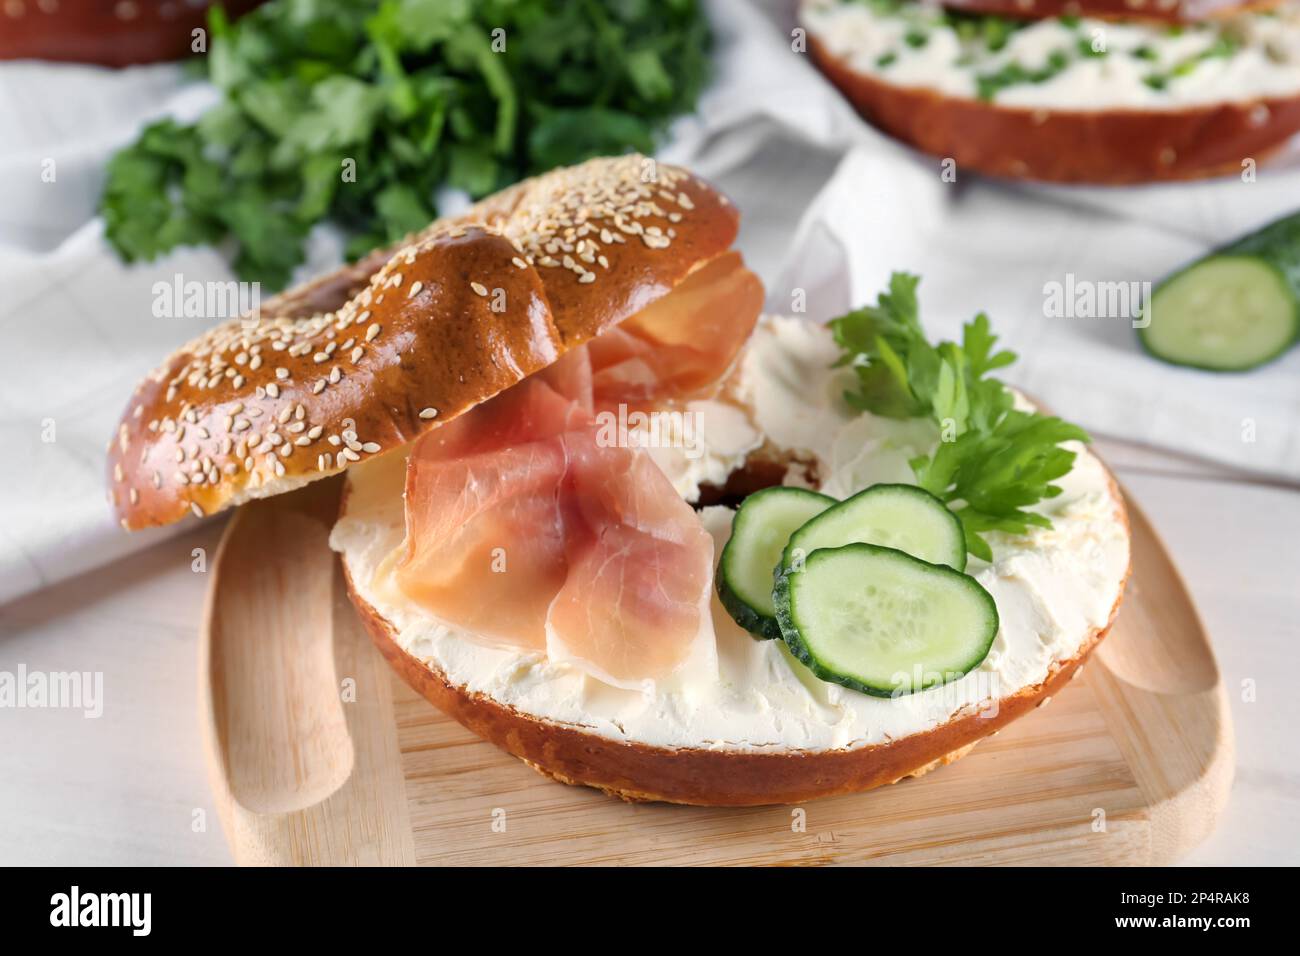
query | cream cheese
[1053, 588]
[1144, 66]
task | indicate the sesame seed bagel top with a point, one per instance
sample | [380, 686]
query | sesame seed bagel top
[367, 358]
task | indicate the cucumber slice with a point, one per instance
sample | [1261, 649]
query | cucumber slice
[759, 533]
[883, 622]
[893, 516]
[1233, 310]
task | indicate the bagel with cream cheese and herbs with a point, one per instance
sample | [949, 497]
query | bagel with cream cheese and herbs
[1068, 98]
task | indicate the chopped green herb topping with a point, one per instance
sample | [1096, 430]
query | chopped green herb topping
[994, 461]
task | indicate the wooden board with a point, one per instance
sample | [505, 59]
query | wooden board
[1131, 764]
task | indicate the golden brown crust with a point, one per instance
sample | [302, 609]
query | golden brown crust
[470, 307]
[1164, 11]
[1111, 147]
[103, 32]
[712, 777]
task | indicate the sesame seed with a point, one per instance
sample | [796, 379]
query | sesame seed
[415, 290]
[370, 447]
[357, 353]
[373, 331]
[273, 390]
[479, 288]
[281, 373]
[428, 413]
[135, 497]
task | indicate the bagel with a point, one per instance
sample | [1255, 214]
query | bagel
[1033, 101]
[366, 359]
[766, 731]
[616, 271]
[103, 33]
[1166, 11]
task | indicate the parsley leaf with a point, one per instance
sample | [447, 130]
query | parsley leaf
[994, 461]
[358, 111]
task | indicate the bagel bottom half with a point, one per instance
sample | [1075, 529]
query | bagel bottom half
[1104, 147]
[705, 775]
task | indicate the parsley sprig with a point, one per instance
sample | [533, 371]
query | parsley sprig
[994, 461]
[357, 111]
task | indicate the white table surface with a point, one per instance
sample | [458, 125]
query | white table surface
[125, 788]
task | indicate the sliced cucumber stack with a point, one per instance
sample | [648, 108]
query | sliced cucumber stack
[904, 517]
[759, 533]
[883, 622]
[1233, 310]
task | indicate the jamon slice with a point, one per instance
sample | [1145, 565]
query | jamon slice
[635, 601]
[533, 409]
[682, 344]
[524, 532]
[484, 547]
[570, 376]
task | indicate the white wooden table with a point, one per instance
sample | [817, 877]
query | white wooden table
[130, 786]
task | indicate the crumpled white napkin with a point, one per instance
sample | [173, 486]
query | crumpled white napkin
[769, 131]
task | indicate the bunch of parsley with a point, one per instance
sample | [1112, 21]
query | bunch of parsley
[994, 461]
[357, 111]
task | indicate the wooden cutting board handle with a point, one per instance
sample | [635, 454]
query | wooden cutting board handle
[1164, 701]
[295, 702]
